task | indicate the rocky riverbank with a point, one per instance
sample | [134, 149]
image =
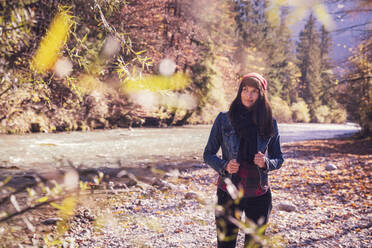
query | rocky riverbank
[321, 198]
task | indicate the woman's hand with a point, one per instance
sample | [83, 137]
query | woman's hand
[259, 160]
[232, 167]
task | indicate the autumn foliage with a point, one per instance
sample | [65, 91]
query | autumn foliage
[82, 56]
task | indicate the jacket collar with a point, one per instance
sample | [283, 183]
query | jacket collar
[262, 143]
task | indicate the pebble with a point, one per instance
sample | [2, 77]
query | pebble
[190, 195]
[51, 221]
[306, 214]
[287, 207]
[331, 167]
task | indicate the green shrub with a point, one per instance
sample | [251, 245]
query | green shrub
[213, 102]
[338, 115]
[300, 112]
[322, 114]
[325, 114]
[281, 111]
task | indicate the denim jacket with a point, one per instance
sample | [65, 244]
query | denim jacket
[223, 135]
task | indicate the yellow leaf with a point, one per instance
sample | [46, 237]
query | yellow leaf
[57, 206]
[5, 181]
[67, 207]
[42, 199]
[84, 38]
[56, 37]
[83, 185]
[157, 83]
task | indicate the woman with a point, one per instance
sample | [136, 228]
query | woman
[245, 134]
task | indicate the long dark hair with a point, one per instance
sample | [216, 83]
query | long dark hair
[262, 113]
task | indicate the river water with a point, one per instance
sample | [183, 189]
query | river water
[129, 147]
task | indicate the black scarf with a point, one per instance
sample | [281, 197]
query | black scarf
[247, 133]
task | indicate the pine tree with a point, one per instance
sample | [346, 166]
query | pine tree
[308, 60]
[280, 58]
[275, 57]
[357, 91]
[328, 78]
[247, 20]
[216, 74]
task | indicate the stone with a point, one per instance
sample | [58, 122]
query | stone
[128, 182]
[157, 182]
[287, 207]
[51, 221]
[331, 167]
[173, 173]
[185, 177]
[199, 166]
[190, 195]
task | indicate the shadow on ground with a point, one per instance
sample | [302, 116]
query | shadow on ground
[307, 149]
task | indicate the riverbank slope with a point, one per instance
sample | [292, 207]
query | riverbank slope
[321, 198]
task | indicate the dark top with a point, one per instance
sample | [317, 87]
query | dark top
[223, 135]
[247, 133]
[248, 177]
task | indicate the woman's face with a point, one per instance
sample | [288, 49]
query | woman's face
[249, 96]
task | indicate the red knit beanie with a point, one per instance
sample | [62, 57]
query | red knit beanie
[259, 77]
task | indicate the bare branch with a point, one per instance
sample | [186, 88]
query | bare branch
[354, 79]
[350, 27]
[33, 207]
[346, 12]
[2, 93]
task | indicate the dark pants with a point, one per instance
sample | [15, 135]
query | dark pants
[254, 209]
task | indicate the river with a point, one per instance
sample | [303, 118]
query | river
[136, 146]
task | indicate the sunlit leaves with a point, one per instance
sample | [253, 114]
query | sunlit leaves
[153, 91]
[5, 181]
[97, 179]
[157, 83]
[50, 242]
[16, 20]
[67, 207]
[362, 57]
[55, 39]
[300, 10]
[321, 13]
[359, 86]
[273, 11]
[253, 60]
[63, 197]
[65, 210]
[88, 83]
[298, 14]
[83, 185]
[42, 199]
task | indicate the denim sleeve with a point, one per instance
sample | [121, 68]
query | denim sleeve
[213, 145]
[275, 156]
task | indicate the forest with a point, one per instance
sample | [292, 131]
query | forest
[82, 65]
[71, 65]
